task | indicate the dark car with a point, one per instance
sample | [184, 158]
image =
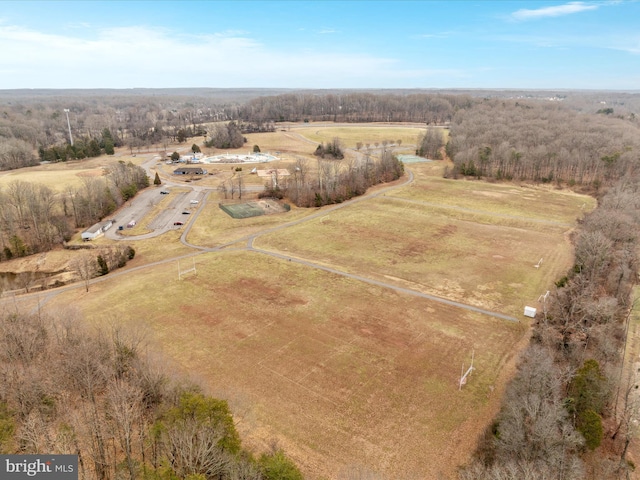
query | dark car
[164, 192]
[186, 213]
[178, 223]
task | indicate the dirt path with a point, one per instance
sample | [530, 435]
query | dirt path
[249, 247]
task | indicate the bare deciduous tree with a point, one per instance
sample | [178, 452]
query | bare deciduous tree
[85, 265]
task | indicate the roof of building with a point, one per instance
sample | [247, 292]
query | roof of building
[98, 227]
[94, 228]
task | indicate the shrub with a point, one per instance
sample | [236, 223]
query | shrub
[276, 466]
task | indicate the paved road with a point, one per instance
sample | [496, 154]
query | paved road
[146, 200]
[44, 297]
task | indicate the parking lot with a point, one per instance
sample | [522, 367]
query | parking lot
[174, 215]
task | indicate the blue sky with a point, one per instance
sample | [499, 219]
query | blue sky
[321, 44]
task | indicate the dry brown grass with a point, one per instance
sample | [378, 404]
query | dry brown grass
[427, 249]
[58, 176]
[350, 135]
[334, 368]
[342, 372]
[214, 227]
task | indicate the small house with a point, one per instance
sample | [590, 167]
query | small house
[96, 230]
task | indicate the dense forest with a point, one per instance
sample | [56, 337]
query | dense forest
[513, 140]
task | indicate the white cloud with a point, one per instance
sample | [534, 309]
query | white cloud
[325, 31]
[128, 57]
[556, 11]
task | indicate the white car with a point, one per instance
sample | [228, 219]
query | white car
[193, 202]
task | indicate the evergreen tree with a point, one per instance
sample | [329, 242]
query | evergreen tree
[103, 268]
[107, 142]
[590, 425]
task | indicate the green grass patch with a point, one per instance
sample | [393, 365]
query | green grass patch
[350, 136]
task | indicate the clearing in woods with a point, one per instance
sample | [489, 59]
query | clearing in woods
[342, 373]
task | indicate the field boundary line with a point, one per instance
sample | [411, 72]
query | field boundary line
[389, 286]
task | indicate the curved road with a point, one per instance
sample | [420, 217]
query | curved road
[204, 192]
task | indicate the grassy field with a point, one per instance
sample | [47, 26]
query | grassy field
[341, 372]
[214, 227]
[351, 135]
[332, 368]
[475, 262]
[527, 202]
[58, 176]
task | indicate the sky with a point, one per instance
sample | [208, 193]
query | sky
[320, 44]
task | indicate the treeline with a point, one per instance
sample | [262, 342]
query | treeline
[354, 107]
[97, 262]
[33, 218]
[32, 124]
[16, 153]
[36, 122]
[542, 142]
[430, 143]
[82, 147]
[335, 181]
[66, 389]
[570, 396]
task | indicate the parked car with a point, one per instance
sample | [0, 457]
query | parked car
[178, 223]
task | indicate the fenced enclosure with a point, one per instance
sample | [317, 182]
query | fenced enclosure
[253, 209]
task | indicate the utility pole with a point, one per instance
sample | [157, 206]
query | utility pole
[66, 110]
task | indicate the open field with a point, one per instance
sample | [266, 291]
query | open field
[214, 227]
[630, 372]
[531, 202]
[490, 266]
[332, 368]
[351, 135]
[341, 372]
[58, 176]
[285, 142]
